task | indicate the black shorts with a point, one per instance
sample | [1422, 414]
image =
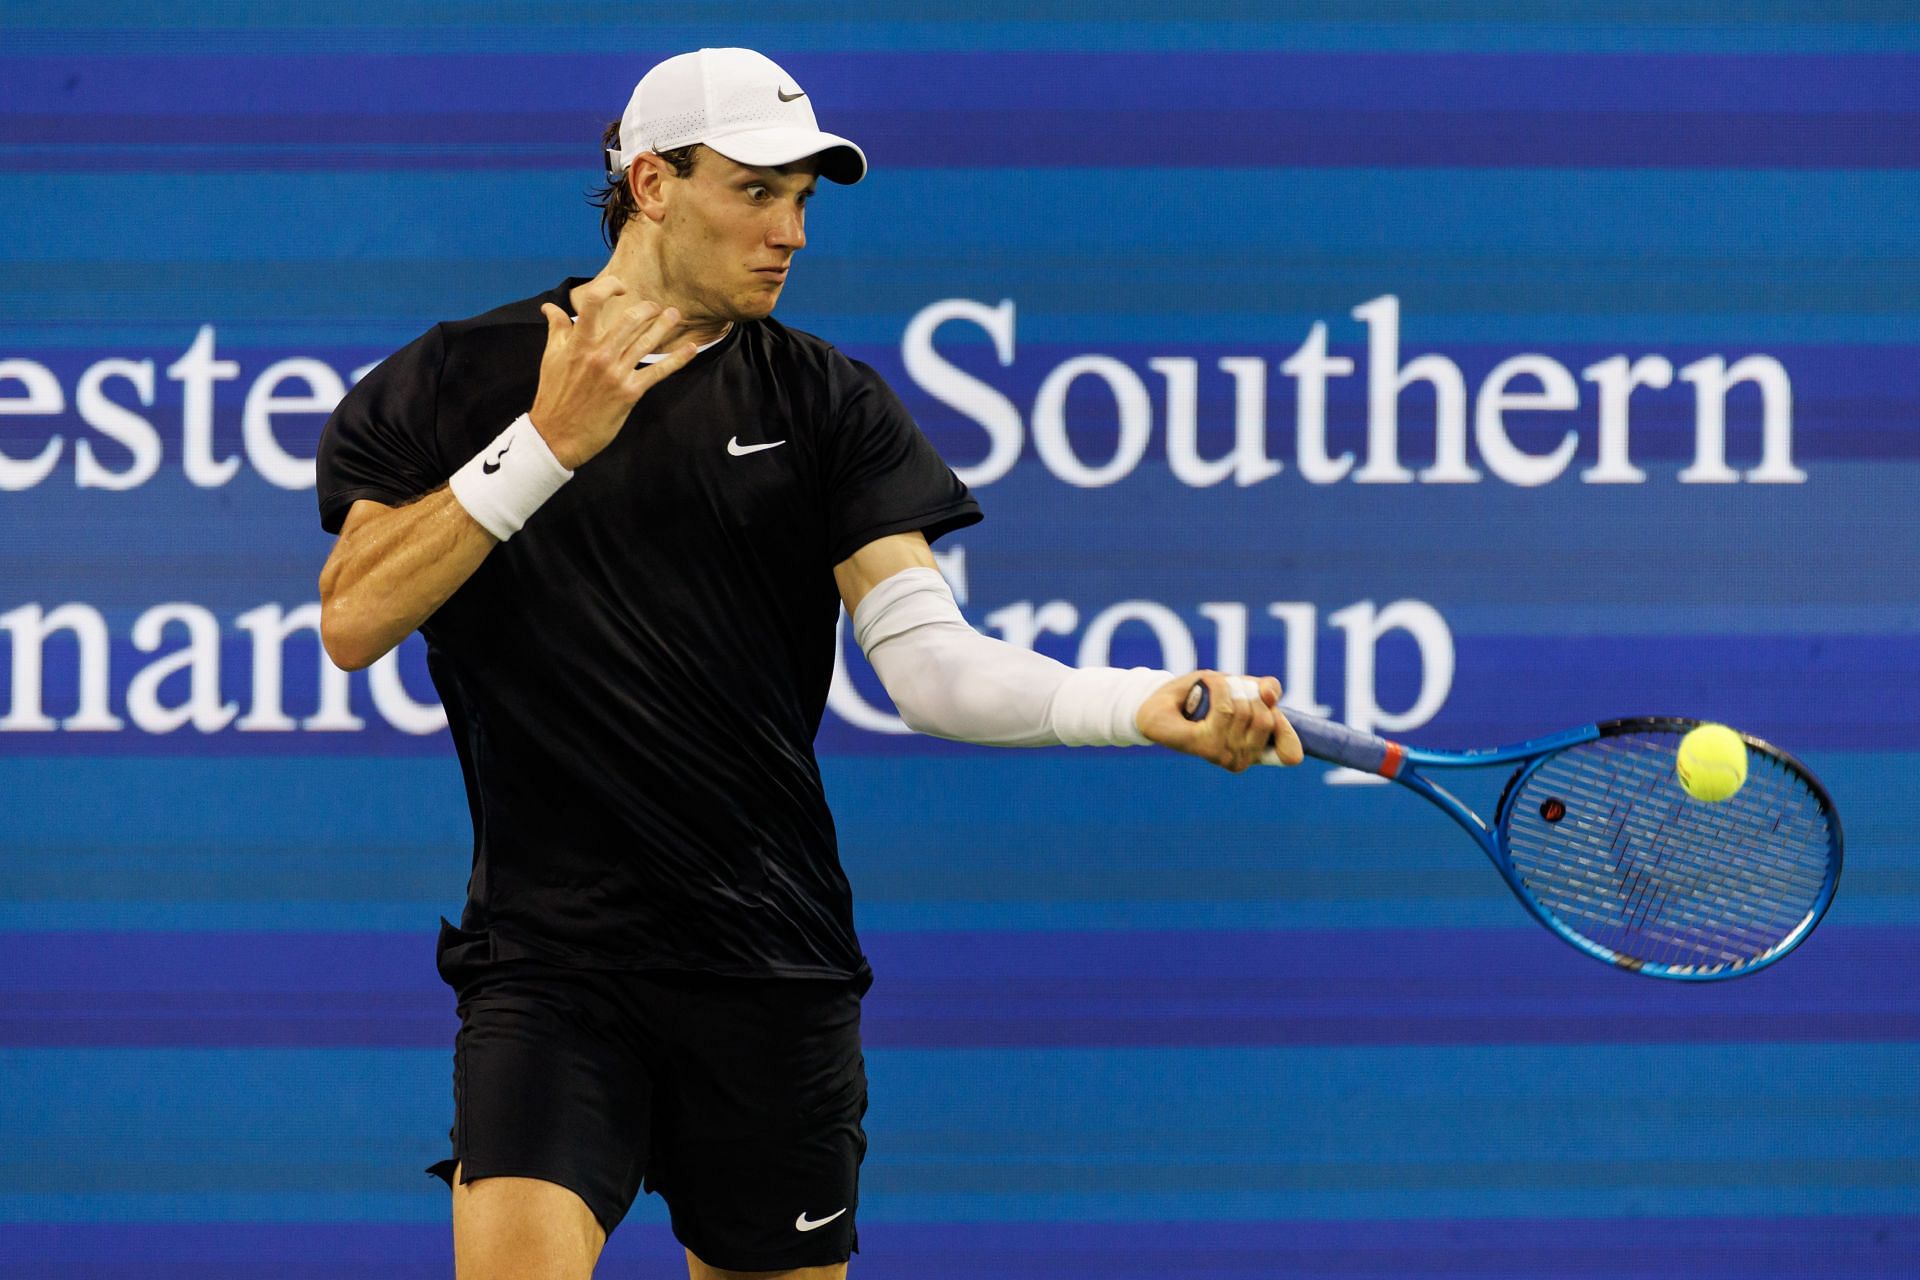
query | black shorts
[739, 1100]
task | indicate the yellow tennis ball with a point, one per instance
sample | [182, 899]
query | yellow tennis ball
[1711, 763]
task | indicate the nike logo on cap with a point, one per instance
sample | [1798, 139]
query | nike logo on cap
[789, 97]
[804, 1223]
[739, 450]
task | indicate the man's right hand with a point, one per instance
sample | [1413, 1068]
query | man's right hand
[1236, 732]
[588, 379]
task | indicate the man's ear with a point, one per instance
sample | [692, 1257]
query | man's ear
[647, 177]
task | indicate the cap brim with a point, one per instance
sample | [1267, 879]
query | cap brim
[840, 160]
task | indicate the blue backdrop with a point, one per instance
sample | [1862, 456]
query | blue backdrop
[1479, 376]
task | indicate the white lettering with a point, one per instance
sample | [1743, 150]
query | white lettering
[28, 630]
[117, 422]
[1364, 628]
[1022, 624]
[271, 629]
[1386, 379]
[1229, 618]
[1310, 367]
[42, 399]
[1050, 421]
[1558, 391]
[200, 659]
[951, 561]
[196, 371]
[1616, 380]
[324, 390]
[1171, 634]
[1301, 622]
[1251, 464]
[299, 385]
[398, 707]
[1247, 462]
[961, 391]
[1711, 379]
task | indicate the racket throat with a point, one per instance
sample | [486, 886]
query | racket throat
[1469, 821]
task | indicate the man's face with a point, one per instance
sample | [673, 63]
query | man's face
[731, 230]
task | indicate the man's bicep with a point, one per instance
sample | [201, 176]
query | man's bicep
[363, 510]
[368, 511]
[879, 560]
[362, 513]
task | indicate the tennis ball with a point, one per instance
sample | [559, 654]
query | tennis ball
[1711, 763]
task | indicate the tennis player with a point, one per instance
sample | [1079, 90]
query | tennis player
[625, 514]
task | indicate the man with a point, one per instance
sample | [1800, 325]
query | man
[658, 978]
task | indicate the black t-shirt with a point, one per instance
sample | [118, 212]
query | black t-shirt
[635, 679]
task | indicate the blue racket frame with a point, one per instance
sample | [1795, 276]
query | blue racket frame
[1337, 744]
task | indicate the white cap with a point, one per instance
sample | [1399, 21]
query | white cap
[736, 101]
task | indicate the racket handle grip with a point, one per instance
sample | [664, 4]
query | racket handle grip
[1327, 740]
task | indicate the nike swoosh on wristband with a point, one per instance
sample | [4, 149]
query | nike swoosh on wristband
[488, 468]
[804, 1223]
[739, 450]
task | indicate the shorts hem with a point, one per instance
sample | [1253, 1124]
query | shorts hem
[444, 1169]
[725, 1261]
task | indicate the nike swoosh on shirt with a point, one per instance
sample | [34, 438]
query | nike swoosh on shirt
[739, 450]
[804, 1223]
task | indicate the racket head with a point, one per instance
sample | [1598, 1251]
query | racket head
[1601, 843]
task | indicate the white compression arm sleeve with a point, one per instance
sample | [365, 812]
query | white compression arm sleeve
[950, 681]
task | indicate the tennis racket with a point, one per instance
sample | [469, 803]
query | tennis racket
[1595, 836]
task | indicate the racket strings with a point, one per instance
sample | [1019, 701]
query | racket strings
[1715, 835]
[1714, 860]
[1623, 875]
[1650, 870]
[1644, 870]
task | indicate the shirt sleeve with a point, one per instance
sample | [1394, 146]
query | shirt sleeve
[380, 441]
[883, 476]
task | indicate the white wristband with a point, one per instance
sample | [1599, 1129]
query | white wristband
[505, 483]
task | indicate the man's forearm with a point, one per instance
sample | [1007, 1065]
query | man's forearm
[392, 568]
[948, 680]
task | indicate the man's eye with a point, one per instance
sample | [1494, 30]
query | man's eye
[757, 192]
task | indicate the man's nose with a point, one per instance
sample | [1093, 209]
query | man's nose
[789, 231]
